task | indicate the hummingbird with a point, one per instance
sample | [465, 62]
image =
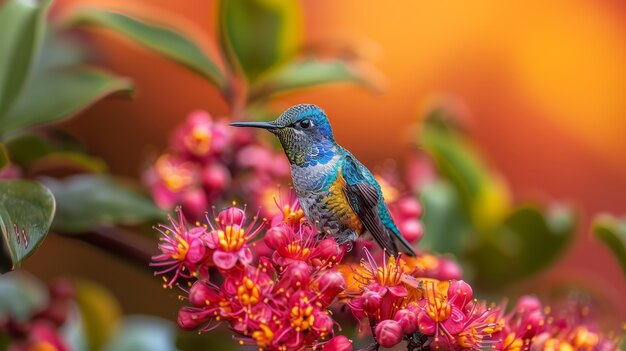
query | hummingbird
[336, 191]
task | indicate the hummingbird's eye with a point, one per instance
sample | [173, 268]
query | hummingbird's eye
[305, 123]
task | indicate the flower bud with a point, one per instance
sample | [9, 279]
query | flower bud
[407, 320]
[388, 333]
[277, 237]
[411, 229]
[194, 202]
[297, 275]
[189, 319]
[371, 303]
[409, 207]
[338, 343]
[527, 304]
[534, 323]
[200, 293]
[459, 293]
[232, 215]
[215, 177]
[448, 270]
[330, 284]
[322, 324]
[327, 252]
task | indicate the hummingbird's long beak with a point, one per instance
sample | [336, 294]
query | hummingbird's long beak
[263, 125]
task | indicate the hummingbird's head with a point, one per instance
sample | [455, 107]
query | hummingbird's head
[303, 131]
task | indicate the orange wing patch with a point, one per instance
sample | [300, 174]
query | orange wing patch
[337, 203]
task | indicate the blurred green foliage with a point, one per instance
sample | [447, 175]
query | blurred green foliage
[261, 51]
[612, 232]
[109, 202]
[468, 213]
[164, 41]
[44, 79]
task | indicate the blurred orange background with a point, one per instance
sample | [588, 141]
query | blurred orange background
[542, 84]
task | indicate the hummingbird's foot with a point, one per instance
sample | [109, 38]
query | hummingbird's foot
[345, 241]
[349, 245]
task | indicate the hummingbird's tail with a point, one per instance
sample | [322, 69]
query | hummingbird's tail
[407, 248]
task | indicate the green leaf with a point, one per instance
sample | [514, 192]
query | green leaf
[144, 333]
[526, 243]
[86, 201]
[612, 232]
[21, 295]
[162, 40]
[26, 212]
[4, 157]
[484, 194]
[67, 161]
[258, 35]
[307, 73]
[74, 89]
[27, 149]
[99, 312]
[22, 27]
[447, 228]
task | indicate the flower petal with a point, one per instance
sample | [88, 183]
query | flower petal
[224, 260]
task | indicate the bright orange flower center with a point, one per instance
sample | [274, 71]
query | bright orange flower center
[199, 140]
[263, 335]
[555, 344]
[231, 238]
[295, 250]
[292, 217]
[438, 307]
[585, 339]
[181, 249]
[511, 343]
[248, 292]
[302, 318]
[174, 176]
[389, 275]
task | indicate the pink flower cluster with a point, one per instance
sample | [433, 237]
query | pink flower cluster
[277, 293]
[277, 302]
[205, 159]
[532, 326]
[41, 330]
[399, 306]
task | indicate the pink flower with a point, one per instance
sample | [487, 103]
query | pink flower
[42, 335]
[184, 250]
[228, 237]
[169, 177]
[200, 137]
[452, 320]
[383, 290]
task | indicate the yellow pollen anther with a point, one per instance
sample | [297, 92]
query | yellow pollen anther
[231, 238]
[181, 249]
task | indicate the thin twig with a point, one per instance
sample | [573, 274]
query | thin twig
[119, 243]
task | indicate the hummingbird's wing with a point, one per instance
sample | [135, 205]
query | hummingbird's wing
[363, 198]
